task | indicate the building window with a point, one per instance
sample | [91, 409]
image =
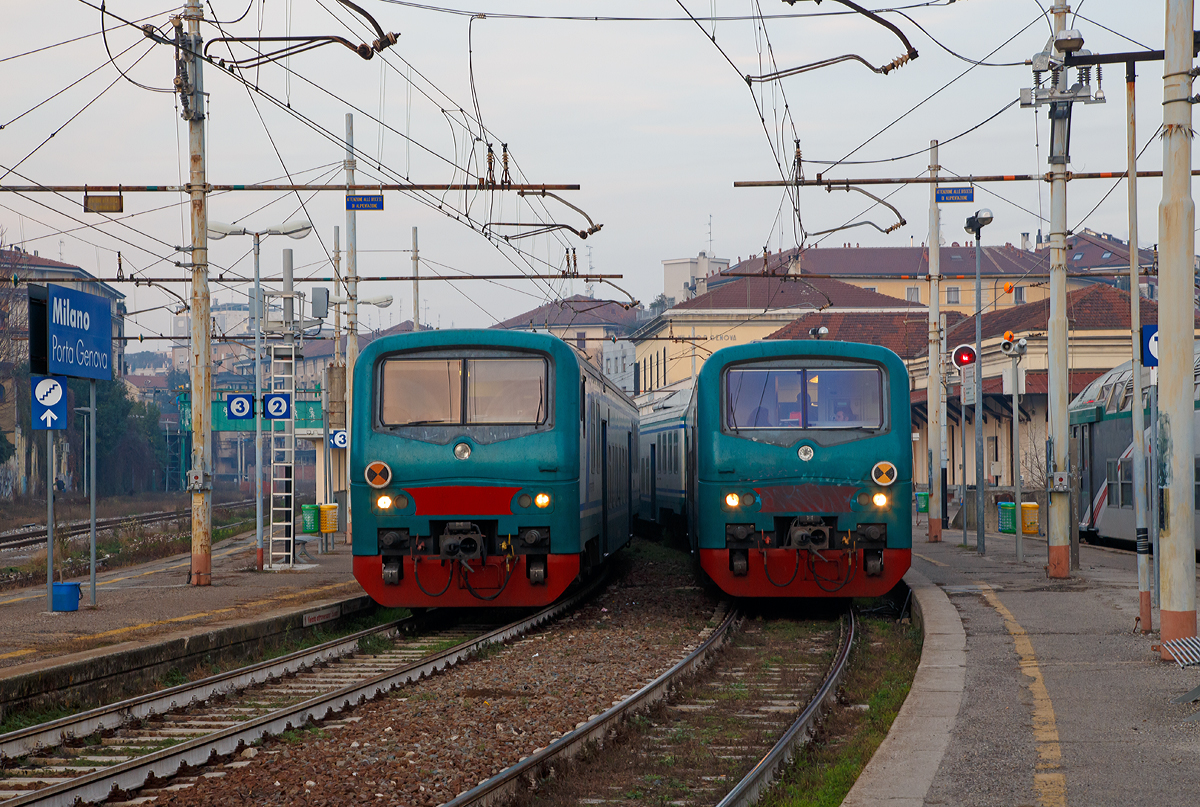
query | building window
[1078, 256]
[607, 366]
[953, 295]
[913, 294]
[1018, 295]
[1106, 255]
[869, 288]
[581, 340]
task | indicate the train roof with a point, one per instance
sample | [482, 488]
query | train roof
[1112, 392]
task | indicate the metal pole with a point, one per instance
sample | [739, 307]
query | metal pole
[1176, 225]
[1018, 529]
[92, 490]
[201, 483]
[416, 284]
[1145, 611]
[1056, 330]
[328, 498]
[258, 459]
[49, 520]
[934, 385]
[1153, 486]
[351, 311]
[962, 428]
[337, 308]
[980, 516]
[944, 462]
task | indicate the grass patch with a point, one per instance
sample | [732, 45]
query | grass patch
[881, 672]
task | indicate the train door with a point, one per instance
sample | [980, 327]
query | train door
[629, 482]
[604, 508]
[654, 480]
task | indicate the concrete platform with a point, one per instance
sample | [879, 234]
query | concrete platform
[137, 605]
[1032, 691]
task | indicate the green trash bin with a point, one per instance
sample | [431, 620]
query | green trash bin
[922, 502]
[310, 518]
[1008, 517]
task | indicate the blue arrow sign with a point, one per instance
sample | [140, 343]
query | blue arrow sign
[1149, 345]
[48, 405]
[338, 438]
[79, 334]
[945, 195]
[241, 407]
[277, 406]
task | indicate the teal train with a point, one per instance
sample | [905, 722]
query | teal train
[799, 460]
[488, 467]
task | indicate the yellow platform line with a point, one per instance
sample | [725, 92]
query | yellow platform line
[928, 560]
[1049, 782]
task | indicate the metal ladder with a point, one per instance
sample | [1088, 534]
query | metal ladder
[282, 539]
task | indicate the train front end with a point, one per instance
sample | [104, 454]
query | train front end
[803, 469]
[465, 469]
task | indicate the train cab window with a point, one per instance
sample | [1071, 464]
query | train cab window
[421, 391]
[817, 398]
[424, 392]
[506, 390]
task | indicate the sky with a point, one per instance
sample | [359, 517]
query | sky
[643, 104]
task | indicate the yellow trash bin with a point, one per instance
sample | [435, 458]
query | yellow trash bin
[1029, 518]
[329, 518]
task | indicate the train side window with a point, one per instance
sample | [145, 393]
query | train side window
[1126, 472]
[1114, 399]
[583, 403]
[1113, 489]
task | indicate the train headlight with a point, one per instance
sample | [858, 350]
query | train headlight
[542, 500]
[384, 502]
[524, 500]
[880, 499]
[732, 500]
[462, 451]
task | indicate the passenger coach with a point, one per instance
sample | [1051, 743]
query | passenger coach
[488, 467]
[801, 464]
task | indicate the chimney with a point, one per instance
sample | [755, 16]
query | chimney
[1025, 242]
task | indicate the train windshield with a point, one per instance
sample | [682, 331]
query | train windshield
[804, 398]
[425, 392]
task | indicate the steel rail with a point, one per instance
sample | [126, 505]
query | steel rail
[165, 763]
[53, 733]
[755, 783]
[504, 785]
[37, 535]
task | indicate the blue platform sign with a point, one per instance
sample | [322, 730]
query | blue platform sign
[48, 405]
[277, 406]
[361, 201]
[338, 438]
[241, 407]
[945, 195]
[1149, 345]
[79, 334]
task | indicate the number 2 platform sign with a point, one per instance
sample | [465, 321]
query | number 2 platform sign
[277, 406]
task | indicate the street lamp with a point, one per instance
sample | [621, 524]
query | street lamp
[975, 225]
[292, 229]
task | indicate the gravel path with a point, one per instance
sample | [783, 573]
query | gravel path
[434, 740]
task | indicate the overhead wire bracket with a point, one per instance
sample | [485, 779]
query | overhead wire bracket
[848, 187]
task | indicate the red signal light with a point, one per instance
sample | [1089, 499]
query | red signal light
[963, 356]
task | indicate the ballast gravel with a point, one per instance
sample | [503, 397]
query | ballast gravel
[430, 741]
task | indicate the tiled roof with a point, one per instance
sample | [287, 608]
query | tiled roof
[324, 347]
[769, 293]
[1037, 382]
[900, 262]
[905, 333]
[578, 310]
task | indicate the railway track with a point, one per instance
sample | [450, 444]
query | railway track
[782, 719]
[120, 747]
[36, 535]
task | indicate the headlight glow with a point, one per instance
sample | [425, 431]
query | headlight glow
[880, 499]
[732, 499]
[542, 500]
[384, 502]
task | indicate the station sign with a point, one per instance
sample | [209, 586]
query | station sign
[1149, 345]
[70, 333]
[48, 403]
[946, 195]
[338, 438]
[277, 406]
[241, 406]
[968, 386]
[364, 201]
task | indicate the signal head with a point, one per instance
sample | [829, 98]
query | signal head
[964, 356]
[1008, 287]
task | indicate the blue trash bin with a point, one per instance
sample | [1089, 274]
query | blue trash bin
[67, 596]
